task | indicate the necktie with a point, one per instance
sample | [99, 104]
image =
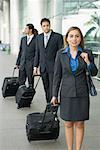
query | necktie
[46, 40]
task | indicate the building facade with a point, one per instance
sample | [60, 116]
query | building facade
[15, 14]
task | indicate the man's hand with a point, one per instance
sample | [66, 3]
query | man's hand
[35, 71]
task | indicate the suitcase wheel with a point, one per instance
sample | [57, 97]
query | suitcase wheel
[29, 139]
[3, 95]
[19, 106]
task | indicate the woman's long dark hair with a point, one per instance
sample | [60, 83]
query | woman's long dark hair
[82, 38]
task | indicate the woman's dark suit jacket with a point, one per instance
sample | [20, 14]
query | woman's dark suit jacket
[71, 85]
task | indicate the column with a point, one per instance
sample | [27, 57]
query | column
[34, 11]
[14, 26]
[5, 24]
[1, 20]
[57, 15]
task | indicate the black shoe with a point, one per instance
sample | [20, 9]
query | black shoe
[18, 107]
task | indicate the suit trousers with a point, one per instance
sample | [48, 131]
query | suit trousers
[26, 71]
[47, 79]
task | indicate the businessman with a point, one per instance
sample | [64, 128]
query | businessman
[25, 60]
[47, 45]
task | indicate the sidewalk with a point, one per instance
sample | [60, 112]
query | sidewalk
[12, 120]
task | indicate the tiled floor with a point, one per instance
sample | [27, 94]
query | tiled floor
[12, 120]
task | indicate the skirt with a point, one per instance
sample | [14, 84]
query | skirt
[74, 108]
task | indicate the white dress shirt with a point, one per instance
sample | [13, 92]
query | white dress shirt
[29, 38]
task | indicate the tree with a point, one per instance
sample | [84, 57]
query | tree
[94, 24]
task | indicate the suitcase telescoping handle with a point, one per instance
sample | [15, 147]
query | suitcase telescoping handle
[37, 81]
[14, 71]
[48, 105]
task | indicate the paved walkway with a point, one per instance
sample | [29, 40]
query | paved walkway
[12, 120]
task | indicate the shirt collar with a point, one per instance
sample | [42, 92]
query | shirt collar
[47, 34]
[31, 36]
[68, 49]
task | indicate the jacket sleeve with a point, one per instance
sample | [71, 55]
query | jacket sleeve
[60, 42]
[57, 76]
[37, 54]
[19, 54]
[92, 67]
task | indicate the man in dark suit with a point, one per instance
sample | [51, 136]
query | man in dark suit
[25, 60]
[47, 45]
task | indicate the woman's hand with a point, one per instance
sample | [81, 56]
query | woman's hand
[85, 57]
[54, 101]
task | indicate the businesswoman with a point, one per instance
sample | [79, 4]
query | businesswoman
[70, 77]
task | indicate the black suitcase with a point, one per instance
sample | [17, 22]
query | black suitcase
[42, 126]
[10, 86]
[24, 95]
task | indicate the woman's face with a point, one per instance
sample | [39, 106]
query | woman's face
[74, 38]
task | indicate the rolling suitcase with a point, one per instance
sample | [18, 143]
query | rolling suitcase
[10, 85]
[42, 126]
[24, 95]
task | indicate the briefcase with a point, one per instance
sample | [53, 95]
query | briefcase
[42, 126]
[24, 95]
[10, 85]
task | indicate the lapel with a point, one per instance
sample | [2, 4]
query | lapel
[42, 41]
[25, 42]
[50, 39]
[80, 64]
[67, 62]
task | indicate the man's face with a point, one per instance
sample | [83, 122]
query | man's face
[27, 30]
[45, 26]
